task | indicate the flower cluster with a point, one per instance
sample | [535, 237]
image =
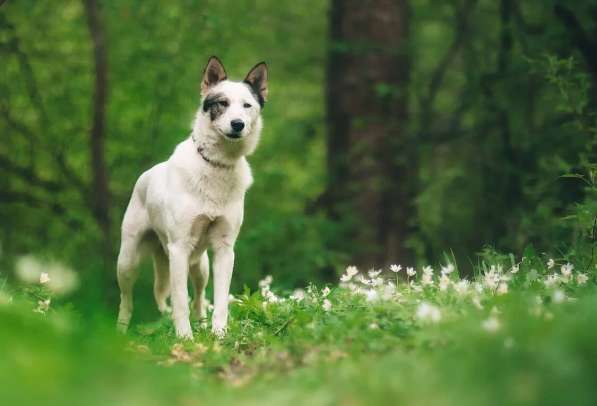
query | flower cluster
[426, 291]
[494, 280]
[265, 287]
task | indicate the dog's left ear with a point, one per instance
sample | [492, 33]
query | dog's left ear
[257, 79]
[214, 73]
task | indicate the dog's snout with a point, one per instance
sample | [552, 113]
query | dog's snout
[237, 125]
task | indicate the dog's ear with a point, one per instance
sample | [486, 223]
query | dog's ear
[213, 74]
[257, 79]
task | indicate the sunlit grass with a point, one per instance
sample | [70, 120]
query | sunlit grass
[520, 332]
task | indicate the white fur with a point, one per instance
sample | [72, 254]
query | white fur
[190, 204]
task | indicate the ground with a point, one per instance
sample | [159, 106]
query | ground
[519, 332]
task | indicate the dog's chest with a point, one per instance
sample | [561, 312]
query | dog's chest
[216, 193]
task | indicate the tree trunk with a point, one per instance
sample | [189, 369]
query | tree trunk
[100, 191]
[369, 156]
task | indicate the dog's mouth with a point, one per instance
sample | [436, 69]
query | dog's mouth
[234, 135]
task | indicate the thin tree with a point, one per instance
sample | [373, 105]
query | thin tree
[100, 190]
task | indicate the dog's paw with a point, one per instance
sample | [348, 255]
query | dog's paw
[184, 331]
[122, 327]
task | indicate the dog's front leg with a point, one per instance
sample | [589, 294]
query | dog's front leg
[223, 265]
[178, 255]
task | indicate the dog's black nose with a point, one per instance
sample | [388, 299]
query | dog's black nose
[237, 125]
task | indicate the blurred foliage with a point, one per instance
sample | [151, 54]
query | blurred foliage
[514, 88]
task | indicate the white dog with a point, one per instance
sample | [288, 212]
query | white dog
[195, 200]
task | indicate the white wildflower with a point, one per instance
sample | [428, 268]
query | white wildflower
[550, 263]
[362, 279]
[271, 296]
[566, 270]
[395, 268]
[491, 325]
[266, 282]
[444, 282]
[345, 278]
[28, 269]
[377, 282]
[502, 288]
[558, 296]
[298, 295]
[448, 269]
[44, 278]
[327, 305]
[491, 278]
[551, 280]
[410, 271]
[373, 326]
[427, 277]
[373, 273]
[351, 271]
[428, 312]
[326, 291]
[514, 269]
[59, 279]
[461, 287]
[581, 278]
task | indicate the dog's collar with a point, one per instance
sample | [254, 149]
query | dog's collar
[210, 161]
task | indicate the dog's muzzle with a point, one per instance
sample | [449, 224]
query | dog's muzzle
[237, 128]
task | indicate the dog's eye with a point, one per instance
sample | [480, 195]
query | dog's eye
[223, 103]
[246, 105]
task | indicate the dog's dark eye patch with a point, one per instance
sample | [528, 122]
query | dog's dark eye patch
[258, 98]
[216, 104]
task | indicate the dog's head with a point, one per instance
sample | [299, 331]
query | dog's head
[232, 110]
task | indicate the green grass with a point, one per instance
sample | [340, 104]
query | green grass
[485, 348]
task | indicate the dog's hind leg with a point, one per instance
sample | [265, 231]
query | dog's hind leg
[127, 272]
[161, 284]
[199, 277]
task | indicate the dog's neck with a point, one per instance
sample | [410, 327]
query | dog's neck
[204, 153]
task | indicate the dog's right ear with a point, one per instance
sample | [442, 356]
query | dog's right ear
[213, 74]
